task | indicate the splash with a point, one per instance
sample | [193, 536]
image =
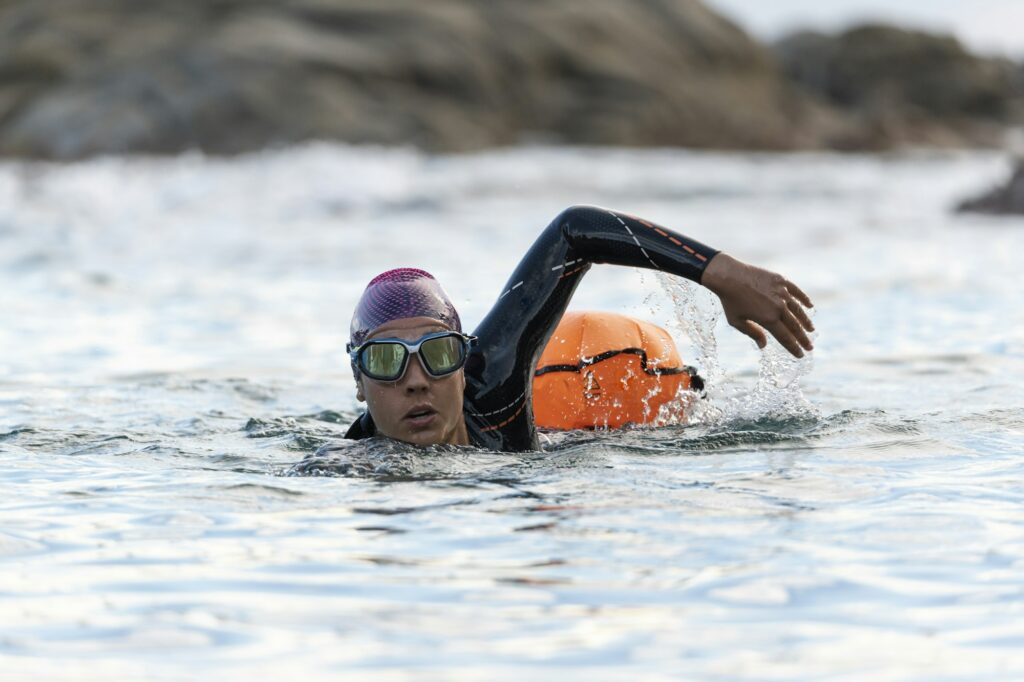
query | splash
[777, 392]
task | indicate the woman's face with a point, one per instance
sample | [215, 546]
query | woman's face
[418, 408]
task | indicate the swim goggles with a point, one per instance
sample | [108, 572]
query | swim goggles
[440, 354]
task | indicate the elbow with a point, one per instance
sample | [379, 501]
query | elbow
[579, 212]
[578, 216]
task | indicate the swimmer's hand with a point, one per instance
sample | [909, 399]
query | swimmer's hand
[756, 300]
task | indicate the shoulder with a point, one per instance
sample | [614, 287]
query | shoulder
[362, 427]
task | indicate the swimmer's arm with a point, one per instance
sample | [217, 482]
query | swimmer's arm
[539, 291]
[515, 331]
[754, 299]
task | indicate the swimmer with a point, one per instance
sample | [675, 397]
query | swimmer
[426, 382]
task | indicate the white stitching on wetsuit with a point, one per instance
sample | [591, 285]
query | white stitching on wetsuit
[514, 287]
[500, 409]
[565, 264]
[636, 241]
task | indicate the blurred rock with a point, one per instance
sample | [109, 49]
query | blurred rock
[1008, 199]
[906, 87]
[81, 77]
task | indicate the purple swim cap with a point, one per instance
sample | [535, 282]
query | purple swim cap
[395, 294]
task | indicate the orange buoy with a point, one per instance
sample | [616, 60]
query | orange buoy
[607, 370]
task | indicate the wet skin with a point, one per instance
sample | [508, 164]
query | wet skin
[418, 408]
[756, 300]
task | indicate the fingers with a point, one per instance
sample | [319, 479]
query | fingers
[783, 335]
[797, 330]
[800, 314]
[753, 331]
[792, 333]
[787, 330]
[759, 302]
[799, 294]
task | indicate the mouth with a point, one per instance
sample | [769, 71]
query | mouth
[420, 416]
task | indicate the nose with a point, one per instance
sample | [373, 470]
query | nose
[416, 379]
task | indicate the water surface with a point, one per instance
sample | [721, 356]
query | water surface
[171, 355]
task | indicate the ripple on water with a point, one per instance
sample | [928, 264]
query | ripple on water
[159, 522]
[304, 433]
[385, 459]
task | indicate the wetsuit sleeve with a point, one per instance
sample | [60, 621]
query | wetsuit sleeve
[511, 338]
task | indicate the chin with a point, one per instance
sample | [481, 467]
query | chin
[430, 437]
[420, 439]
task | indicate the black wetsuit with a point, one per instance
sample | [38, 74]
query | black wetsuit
[499, 371]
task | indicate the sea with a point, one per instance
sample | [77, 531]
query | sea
[172, 335]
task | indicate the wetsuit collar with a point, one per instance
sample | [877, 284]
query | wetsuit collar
[363, 427]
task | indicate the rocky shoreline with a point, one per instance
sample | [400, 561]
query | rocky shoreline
[1007, 199]
[80, 78]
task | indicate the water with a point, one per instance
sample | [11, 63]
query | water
[171, 353]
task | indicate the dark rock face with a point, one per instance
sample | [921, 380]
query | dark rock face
[1008, 199]
[81, 77]
[906, 86]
